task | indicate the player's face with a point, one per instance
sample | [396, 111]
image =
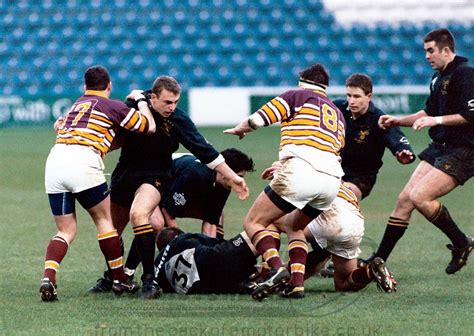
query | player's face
[438, 58]
[166, 103]
[358, 100]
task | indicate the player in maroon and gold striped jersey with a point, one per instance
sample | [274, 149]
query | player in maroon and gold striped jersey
[74, 170]
[312, 135]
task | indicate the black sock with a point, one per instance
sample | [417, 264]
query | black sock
[395, 229]
[133, 258]
[145, 240]
[443, 221]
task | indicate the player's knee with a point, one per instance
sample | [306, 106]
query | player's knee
[138, 217]
[418, 199]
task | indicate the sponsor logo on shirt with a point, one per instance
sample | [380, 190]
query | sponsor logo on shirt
[179, 199]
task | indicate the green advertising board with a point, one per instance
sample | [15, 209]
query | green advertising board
[29, 111]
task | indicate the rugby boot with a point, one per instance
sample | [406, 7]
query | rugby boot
[276, 280]
[292, 292]
[328, 271]
[459, 256]
[382, 276]
[103, 284]
[150, 289]
[48, 290]
[128, 286]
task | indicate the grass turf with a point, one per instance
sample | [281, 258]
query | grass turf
[428, 302]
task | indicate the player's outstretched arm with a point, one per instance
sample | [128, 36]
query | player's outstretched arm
[238, 184]
[388, 121]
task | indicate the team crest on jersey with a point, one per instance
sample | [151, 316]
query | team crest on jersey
[238, 241]
[179, 199]
[362, 135]
[167, 126]
[444, 87]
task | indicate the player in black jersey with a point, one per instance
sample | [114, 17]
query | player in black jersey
[143, 172]
[194, 263]
[365, 140]
[449, 160]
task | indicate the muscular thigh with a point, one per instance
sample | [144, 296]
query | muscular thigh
[147, 197]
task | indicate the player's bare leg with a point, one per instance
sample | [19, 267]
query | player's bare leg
[435, 184]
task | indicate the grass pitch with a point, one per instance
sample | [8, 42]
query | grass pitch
[429, 302]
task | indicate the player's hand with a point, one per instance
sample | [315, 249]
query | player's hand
[271, 171]
[424, 122]
[405, 156]
[235, 131]
[58, 123]
[388, 121]
[239, 186]
[135, 94]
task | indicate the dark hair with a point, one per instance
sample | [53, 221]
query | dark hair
[165, 82]
[315, 74]
[442, 38]
[361, 81]
[238, 161]
[96, 78]
[166, 235]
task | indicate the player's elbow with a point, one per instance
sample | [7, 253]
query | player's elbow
[151, 129]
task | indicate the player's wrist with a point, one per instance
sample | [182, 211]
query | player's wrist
[439, 120]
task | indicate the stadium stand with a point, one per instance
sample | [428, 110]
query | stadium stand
[46, 45]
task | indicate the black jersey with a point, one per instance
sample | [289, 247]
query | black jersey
[366, 141]
[152, 153]
[193, 263]
[194, 192]
[452, 92]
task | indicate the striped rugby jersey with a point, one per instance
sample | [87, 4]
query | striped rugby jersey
[312, 128]
[346, 194]
[93, 120]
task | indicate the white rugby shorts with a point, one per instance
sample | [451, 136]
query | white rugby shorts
[300, 184]
[339, 229]
[73, 168]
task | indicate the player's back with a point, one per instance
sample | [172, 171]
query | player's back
[93, 120]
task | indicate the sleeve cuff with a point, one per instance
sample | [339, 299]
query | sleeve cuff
[217, 161]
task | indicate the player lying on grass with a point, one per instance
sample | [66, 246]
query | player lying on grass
[194, 263]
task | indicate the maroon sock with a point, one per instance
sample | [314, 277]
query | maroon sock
[109, 243]
[297, 251]
[55, 252]
[265, 245]
[361, 277]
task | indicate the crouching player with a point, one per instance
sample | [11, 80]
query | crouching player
[338, 232]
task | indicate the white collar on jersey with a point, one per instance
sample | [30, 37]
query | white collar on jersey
[306, 84]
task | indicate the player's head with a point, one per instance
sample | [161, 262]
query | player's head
[439, 48]
[315, 74]
[358, 92]
[166, 235]
[97, 78]
[238, 161]
[165, 94]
